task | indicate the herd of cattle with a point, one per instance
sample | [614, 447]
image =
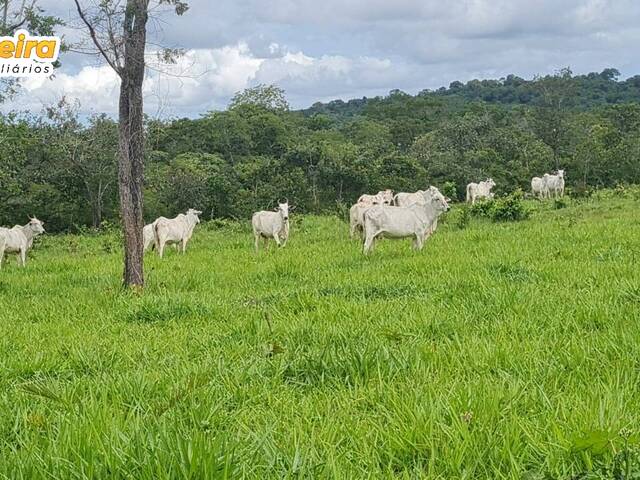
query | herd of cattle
[383, 215]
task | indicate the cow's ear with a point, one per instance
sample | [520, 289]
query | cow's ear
[292, 208]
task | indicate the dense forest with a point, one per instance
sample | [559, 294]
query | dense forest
[229, 163]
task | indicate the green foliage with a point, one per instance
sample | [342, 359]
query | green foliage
[510, 208]
[449, 189]
[463, 217]
[269, 97]
[232, 163]
[482, 208]
[559, 203]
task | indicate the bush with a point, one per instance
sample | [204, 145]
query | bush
[559, 203]
[463, 217]
[482, 208]
[580, 192]
[449, 190]
[509, 209]
[341, 210]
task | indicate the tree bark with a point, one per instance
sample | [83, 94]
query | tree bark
[131, 148]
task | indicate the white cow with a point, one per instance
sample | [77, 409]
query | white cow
[480, 190]
[383, 197]
[404, 199]
[274, 225]
[19, 239]
[420, 197]
[356, 218]
[539, 187]
[403, 222]
[555, 184]
[148, 235]
[175, 230]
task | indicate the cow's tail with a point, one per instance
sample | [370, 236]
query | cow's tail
[468, 193]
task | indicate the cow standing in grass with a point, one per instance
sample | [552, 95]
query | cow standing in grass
[539, 187]
[148, 235]
[175, 230]
[356, 212]
[476, 191]
[356, 218]
[555, 184]
[274, 225]
[403, 222]
[19, 239]
[421, 197]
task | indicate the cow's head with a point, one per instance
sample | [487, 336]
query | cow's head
[386, 197]
[560, 173]
[37, 226]
[283, 209]
[194, 213]
[490, 182]
[439, 202]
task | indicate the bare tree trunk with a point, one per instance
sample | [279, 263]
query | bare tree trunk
[131, 154]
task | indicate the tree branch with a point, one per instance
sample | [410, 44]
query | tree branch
[96, 42]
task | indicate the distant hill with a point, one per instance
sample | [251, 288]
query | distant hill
[589, 91]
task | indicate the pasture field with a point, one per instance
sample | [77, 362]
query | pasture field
[502, 350]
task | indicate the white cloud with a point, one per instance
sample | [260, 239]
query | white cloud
[202, 80]
[337, 49]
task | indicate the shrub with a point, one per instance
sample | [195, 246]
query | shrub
[463, 217]
[559, 203]
[509, 209]
[341, 210]
[482, 208]
[449, 190]
[581, 191]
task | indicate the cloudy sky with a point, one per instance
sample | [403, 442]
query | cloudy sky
[319, 50]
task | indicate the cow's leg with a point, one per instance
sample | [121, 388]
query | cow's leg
[1, 255]
[184, 245]
[161, 244]
[419, 243]
[368, 242]
[256, 241]
[22, 257]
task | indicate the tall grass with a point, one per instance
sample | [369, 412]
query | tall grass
[502, 350]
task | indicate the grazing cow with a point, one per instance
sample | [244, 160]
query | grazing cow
[175, 230]
[403, 222]
[539, 187]
[383, 197]
[555, 184]
[19, 239]
[274, 225]
[480, 190]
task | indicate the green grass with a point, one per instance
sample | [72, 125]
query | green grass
[502, 350]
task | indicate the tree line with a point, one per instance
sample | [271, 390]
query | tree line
[230, 163]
